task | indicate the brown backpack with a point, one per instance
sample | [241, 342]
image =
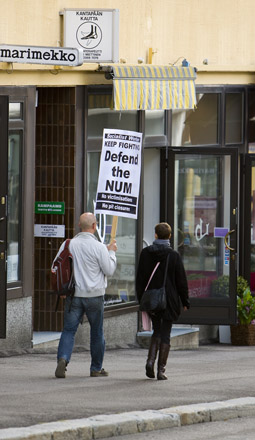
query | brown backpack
[62, 276]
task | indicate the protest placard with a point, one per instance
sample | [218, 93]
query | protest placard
[119, 173]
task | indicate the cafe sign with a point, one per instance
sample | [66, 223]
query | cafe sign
[56, 56]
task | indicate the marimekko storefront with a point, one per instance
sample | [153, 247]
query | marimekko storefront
[197, 174]
[191, 178]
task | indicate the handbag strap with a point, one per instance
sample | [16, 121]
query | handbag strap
[154, 270]
[167, 259]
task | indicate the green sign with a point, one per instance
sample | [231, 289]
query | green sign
[49, 207]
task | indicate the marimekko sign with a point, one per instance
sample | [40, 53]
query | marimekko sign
[119, 173]
[55, 56]
[95, 31]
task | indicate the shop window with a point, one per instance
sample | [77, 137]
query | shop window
[100, 116]
[199, 126]
[234, 118]
[154, 123]
[121, 287]
[14, 206]
[251, 121]
[151, 191]
[16, 110]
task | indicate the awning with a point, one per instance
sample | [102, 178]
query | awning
[150, 87]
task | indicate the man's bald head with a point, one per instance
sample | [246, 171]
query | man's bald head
[87, 221]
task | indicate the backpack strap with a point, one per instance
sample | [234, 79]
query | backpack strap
[67, 242]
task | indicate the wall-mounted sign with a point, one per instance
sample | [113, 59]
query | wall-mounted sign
[49, 207]
[49, 231]
[119, 173]
[56, 56]
[220, 232]
[95, 31]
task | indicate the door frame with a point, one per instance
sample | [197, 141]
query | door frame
[245, 218]
[4, 114]
[220, 311]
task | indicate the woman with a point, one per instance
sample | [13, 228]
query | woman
[176, 292]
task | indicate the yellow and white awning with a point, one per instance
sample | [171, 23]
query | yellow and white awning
[150, 87]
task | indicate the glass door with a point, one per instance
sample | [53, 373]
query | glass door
[247, 248]
[202, 190]
[3, 210]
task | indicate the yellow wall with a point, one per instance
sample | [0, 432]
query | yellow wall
[221, 31]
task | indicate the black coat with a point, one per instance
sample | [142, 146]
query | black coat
[176, 282]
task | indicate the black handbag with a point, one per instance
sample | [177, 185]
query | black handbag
[154, 300]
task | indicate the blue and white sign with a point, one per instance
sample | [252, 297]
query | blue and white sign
[95, 31]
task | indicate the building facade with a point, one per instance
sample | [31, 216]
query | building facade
[197, 167]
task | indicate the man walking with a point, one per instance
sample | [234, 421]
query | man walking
[92, 261]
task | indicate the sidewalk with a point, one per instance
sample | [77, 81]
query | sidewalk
[205, 381]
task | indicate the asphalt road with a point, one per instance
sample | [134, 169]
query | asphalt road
[30, 394]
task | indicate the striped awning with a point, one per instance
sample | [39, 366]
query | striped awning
[150, 87]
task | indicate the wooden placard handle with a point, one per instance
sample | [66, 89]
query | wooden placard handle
[114, 227]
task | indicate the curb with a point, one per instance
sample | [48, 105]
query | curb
[112, 425]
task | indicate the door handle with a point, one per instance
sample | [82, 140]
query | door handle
[2, 218]
[1, 241]
[226, 240]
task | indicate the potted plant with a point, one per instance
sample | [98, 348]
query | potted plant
[220, 288]
[243, 333]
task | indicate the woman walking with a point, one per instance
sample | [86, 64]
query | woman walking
[176, 293]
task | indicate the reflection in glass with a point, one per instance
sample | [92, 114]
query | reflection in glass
[15, 110]
[13, 228]
[253, 227]
[234, 118]
[199, 126]
[202, 204]
[151, 211]
[251, 121]
[154, 122]
[121, 287]
[101, 116]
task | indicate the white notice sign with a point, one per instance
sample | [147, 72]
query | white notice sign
[95, 31]
[119, 173]
[49, 231]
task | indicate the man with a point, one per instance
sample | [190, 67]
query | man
[176, 293]
[92, 261]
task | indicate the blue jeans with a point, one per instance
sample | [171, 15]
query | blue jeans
[94, 309]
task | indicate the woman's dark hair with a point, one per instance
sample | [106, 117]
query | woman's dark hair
[163, 231]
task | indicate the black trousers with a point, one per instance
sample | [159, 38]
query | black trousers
[161, 328]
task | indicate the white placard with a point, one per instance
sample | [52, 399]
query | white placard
[49, 231]
[119, 173]
[95, 31]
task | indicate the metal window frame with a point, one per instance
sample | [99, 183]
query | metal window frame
[27, 95]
